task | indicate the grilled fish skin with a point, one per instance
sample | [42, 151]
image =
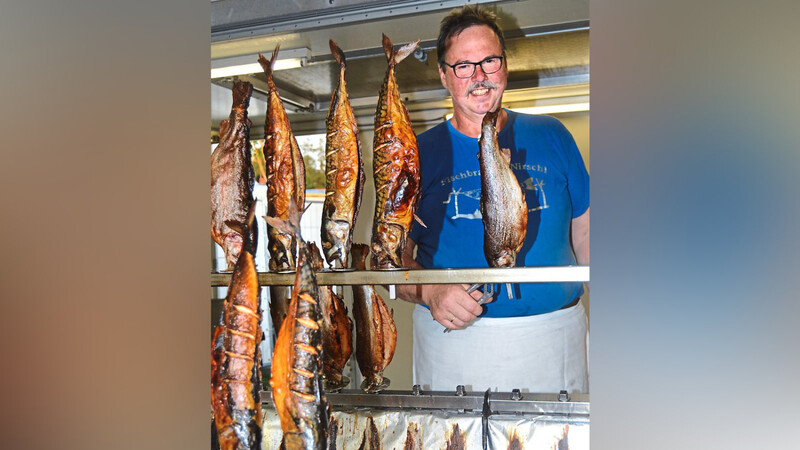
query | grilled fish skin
[286, 173]
[296, 381]
[395, 167]
[236, 356]
[344, 173]
[337, 331]
[376, 335]
[503, 207]
[232, 176]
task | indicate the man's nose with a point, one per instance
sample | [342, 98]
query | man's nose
[479, 73]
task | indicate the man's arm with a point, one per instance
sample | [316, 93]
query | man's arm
[450, 304]
[580, 238]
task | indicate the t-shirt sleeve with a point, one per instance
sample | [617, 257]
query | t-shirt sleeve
[577, 176]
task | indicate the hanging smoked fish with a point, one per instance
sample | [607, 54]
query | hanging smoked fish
[337, 331]
[236, 356]
[344, 173]
[232, 176]
[395, 166]
[376, 335]
[296, 382]
[286, 173]
[503, 207]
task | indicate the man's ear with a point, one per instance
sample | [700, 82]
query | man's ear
[442, 76]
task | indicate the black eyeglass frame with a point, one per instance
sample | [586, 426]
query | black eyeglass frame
[475, 65]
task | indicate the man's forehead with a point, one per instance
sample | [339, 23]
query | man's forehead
[487, 32]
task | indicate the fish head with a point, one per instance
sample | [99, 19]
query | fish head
[482, 92]
[337, 235]
[504, 257]
[388, 255]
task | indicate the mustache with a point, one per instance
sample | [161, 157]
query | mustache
[478, 85]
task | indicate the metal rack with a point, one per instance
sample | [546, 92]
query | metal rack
[558, 274]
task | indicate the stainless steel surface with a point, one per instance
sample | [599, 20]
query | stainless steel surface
[427, 276]
[499, 402]
[485, 420]
[232, 19]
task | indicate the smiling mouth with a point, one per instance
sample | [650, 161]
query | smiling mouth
[482, 91]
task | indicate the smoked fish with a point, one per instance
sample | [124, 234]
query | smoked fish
[286, 173]
[376, 335]
[236, 355]
[503, 207]
[296, 381]
[232, 176]
[337, 331]
[395, 167]
[344, 173]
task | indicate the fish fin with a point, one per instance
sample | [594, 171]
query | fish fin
[267, 64]
[290, 226]
[395, 56]
[337, 52]
[506, 154]
[223, 128]
[388, 48]
[416, 217]
[405, 50]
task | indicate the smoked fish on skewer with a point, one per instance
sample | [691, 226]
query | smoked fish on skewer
[336, 329]
[395, 167]
[376, 335]
[503, 207]
[232, 176]
[344, 173]
[236, 354]
[286, 173]
[296, 382]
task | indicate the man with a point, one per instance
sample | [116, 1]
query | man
[537, 341]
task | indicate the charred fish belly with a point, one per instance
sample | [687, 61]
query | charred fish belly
[232, 176]
[395, 167]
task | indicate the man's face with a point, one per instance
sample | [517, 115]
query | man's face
[479, 93]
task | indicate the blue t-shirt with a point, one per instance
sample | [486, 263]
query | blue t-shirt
[550, 169]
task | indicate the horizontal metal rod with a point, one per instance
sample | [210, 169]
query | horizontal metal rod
[499, 402]
[555, 274]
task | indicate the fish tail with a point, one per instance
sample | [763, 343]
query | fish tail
[267, 64]
[338, 54]
[395, 56]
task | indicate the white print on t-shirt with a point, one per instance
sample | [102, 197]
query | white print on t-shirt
[530, 184]
[538, 186]
[474, 194]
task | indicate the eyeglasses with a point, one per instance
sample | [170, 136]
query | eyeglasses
[466, 69]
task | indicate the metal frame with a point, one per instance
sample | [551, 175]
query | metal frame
[574, 405]
[317, 18]
[558, 274]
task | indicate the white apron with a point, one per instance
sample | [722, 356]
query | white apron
[544, 353]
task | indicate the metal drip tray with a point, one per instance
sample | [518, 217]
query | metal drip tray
[405, 420]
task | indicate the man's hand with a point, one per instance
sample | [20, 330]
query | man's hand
[450, 304]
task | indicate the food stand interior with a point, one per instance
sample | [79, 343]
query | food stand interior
[548, 58]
